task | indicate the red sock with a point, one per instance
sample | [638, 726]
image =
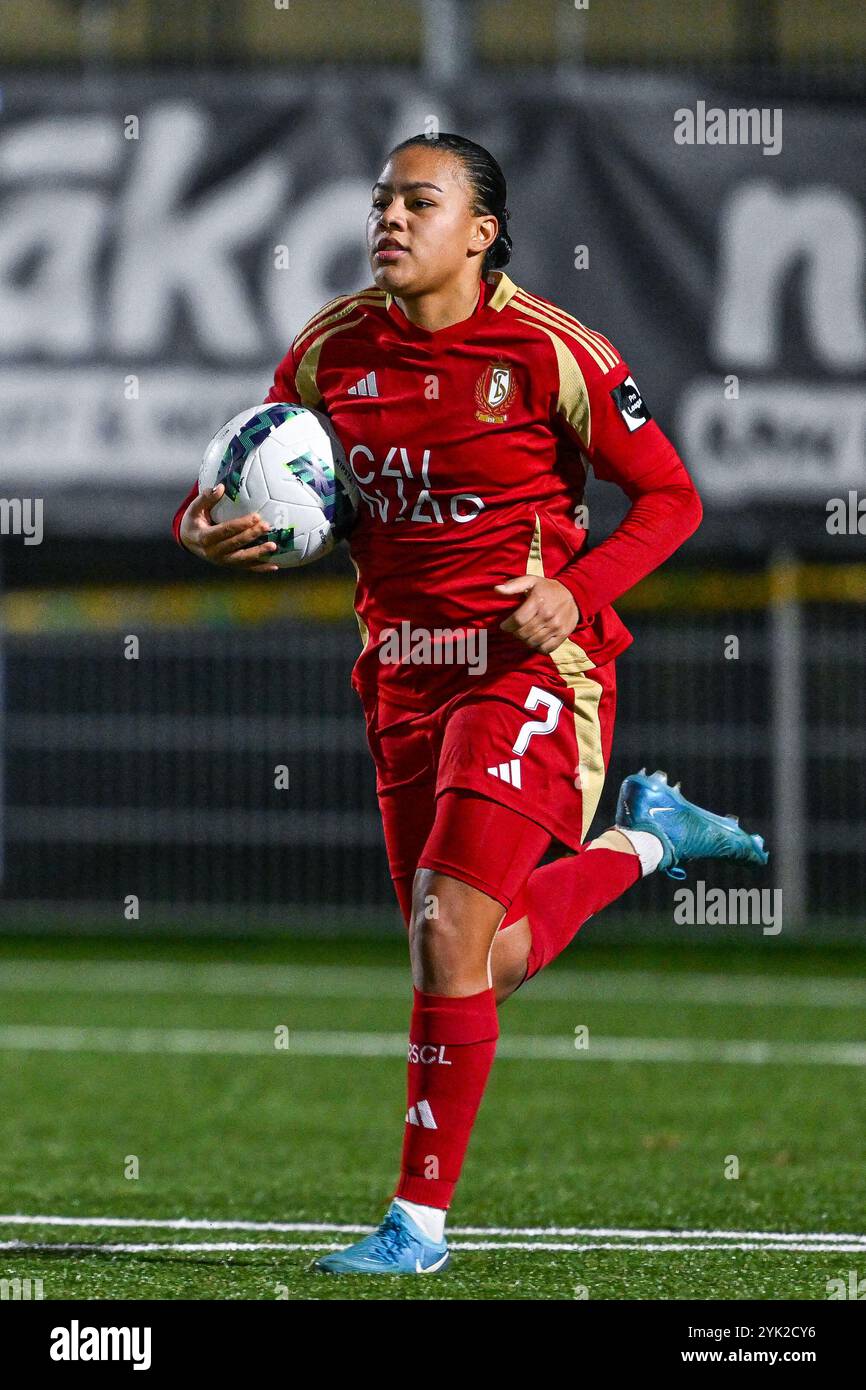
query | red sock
[451, 1047]
[560, 897]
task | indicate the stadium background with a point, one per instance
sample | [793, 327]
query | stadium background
[181, 185]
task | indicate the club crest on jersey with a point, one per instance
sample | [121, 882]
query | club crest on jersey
[495, 390]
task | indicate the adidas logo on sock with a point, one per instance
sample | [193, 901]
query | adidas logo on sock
[421, 1114]
[365, 387]
[508, 772]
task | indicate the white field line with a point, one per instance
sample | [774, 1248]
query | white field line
[372, 982]
[236, 1247]
[517, 1047]
[632, 1233]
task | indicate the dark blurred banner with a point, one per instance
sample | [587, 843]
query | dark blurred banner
[162, 240]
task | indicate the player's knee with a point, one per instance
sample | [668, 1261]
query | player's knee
[444, 936]
[435, 923]
[451, 932]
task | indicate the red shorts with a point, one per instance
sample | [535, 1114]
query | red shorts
[539, 750]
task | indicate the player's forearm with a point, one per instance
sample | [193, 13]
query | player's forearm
[656, 525]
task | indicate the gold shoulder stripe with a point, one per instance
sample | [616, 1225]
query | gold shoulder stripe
[599, 339]
[370, 291]
[602, 351]
[553, 323]
[331, 307]
[599, 349]
[343, 304]
[305, 374]
[573, 399]
[569, 321]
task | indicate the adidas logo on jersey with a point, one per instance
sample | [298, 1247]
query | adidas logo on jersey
[508, 772]
[421, 1114]
[365, 387]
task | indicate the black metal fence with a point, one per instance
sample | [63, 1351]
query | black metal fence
[221, 776]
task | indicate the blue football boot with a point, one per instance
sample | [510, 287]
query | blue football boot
[398, 1246]
[686, 831]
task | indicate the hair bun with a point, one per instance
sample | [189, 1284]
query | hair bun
[500, 252]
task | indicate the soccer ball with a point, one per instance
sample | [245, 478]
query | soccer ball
[286, 463]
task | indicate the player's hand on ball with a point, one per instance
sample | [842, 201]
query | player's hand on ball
[547, 614]
[225, 542]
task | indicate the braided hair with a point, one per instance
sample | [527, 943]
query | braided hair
[486, 180]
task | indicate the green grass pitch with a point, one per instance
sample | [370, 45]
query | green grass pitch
[165, 1059]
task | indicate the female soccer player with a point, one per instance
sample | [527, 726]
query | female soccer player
[470, 410]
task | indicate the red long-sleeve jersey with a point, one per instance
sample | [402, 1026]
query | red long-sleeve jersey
[470, 446]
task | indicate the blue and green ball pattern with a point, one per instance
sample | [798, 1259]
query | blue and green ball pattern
[241, 445]
[337, 506]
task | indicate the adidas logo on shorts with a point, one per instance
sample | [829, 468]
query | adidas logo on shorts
[508, 772]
